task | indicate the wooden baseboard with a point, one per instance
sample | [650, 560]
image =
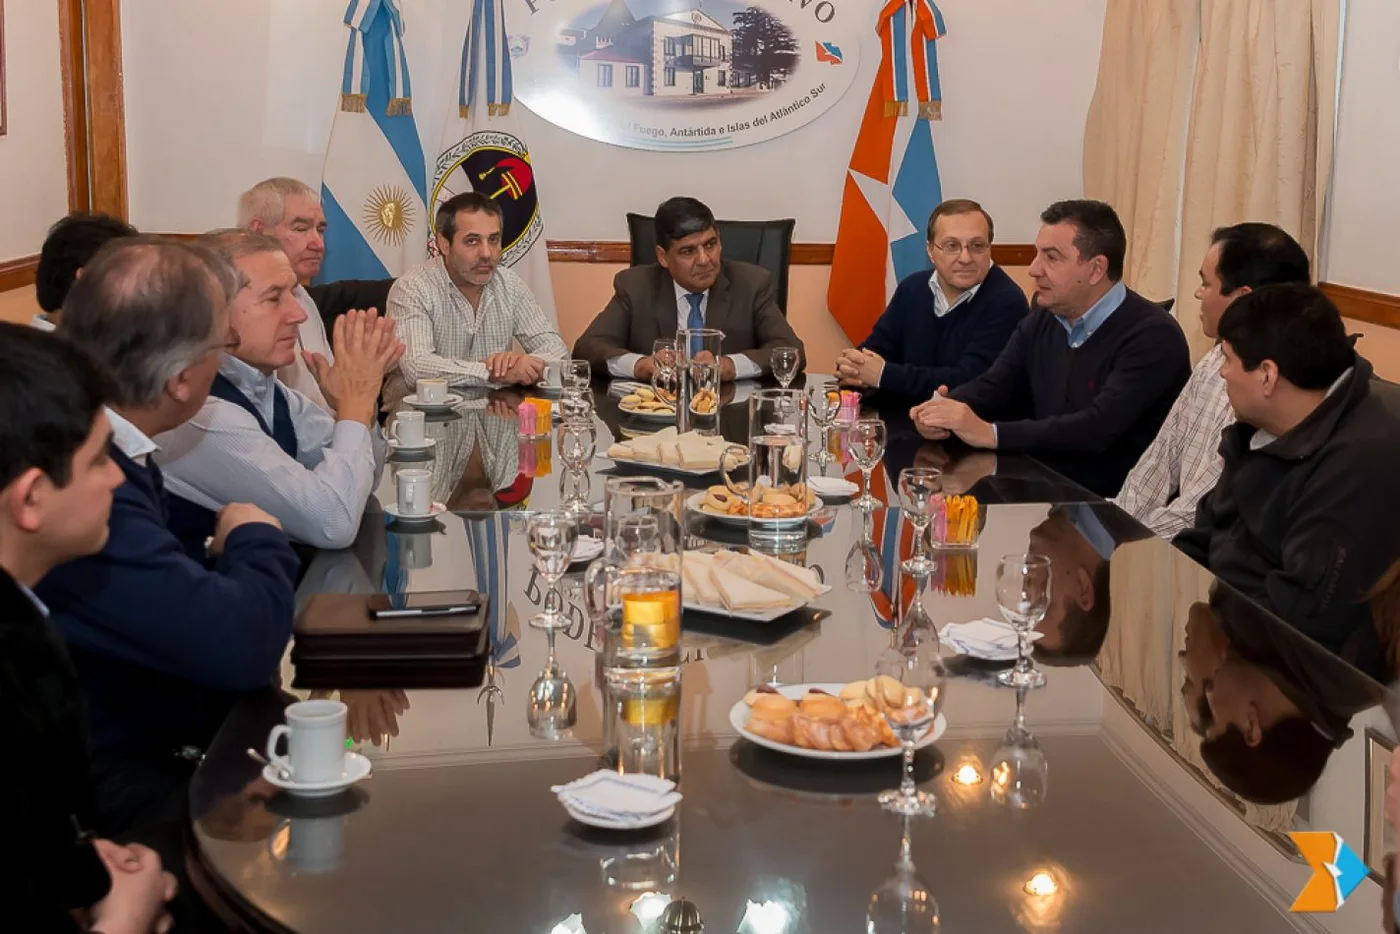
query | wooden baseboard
[1363, 305]
[17, 273]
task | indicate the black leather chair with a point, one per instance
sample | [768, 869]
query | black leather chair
[763, 243]
[1387, 392]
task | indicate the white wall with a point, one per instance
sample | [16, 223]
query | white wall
[1364, 224]
[33, 171]
[219, 96]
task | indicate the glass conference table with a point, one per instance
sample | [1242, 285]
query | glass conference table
[1142, 825]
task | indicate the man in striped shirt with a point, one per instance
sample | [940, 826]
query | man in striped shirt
[1183, 463]
[460, 313]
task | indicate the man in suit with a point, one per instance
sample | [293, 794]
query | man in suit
[689, 286]
[162, 644]
[56, 483]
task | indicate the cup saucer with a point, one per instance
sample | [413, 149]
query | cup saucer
[392, 510]
[450, 401]
[400, 448]
[357, 768]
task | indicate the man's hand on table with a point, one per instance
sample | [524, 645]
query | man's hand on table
[726, 366]
[516, 369]
[860, 368]
[939, 416]
[645, 369]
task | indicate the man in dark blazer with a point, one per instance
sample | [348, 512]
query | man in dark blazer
[56, 484]
[690, 285]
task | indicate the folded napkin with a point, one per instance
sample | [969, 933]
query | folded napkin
[988, 638]
[615, 796]
[624, 387]
[832, 486]
[586, 548]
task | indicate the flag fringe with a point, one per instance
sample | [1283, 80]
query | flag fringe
[896, 108]
[464, 112]
[497, 110]
[352, 103]
[931, 110]
[399, 107]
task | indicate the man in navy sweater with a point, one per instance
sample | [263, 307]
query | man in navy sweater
[1088, 376]
[162, 646]
[946, 328]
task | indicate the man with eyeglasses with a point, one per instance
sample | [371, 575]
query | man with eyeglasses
[942, 329]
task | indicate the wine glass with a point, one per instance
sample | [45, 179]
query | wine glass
[784, 361]
[663, 375]
[637, 535]
[576, 405]
[865, 572]
[577, 374]
[903, 903]
[1019, 771]
[866, 440]
[551, 537]
[1023, 595]
[576, 441]
[824, 402]
[920, 489]
[908, 690]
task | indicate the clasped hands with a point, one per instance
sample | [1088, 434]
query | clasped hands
[860, 368]
[515, 368]
[940, 416]
[365, 349]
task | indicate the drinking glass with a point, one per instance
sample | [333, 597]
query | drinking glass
[865, 572]
[576, 405]
[574, 489]
[1023, 595]
[551, 537]
[577, 374]
[824, 402]
[576, 442]
[784, 361]
[908, 690]
[663, 375]
[920, 489]
[866, 440]
[903, 903]
[1019, 770]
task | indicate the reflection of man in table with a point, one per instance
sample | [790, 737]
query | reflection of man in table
[689, 286]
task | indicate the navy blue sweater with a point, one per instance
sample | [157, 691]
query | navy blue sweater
[1087, 412]
[923, 351]
[162, 645]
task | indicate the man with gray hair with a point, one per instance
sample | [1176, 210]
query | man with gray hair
[162, 644]
[290, 211]
[257, 441]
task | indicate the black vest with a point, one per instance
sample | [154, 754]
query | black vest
[191, 522]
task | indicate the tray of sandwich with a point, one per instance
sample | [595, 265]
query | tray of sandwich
[690, 454]
[748, 586]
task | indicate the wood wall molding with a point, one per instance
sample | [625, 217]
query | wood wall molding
[803, 254]
[105, 105]
[17, 273]
[75, 122]
[1372, 307]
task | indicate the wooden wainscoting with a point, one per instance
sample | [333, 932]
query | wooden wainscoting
[803, 254]
[17, 273]
[1363, 305]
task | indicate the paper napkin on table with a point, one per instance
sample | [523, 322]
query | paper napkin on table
[832, 486]
[615, 796]
[989, 638]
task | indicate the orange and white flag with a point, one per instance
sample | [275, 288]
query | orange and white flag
[892, 186]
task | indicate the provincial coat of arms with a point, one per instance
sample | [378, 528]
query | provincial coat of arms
[497, 165]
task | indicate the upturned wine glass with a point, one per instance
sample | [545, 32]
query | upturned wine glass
[903, 903]
[1023, 596]
[576, 441]
[865, 572]
[784, 361]
[1019, 771]
[908, 689]
[866, 439]
[920, 489]
[577, 374]
[551, 537]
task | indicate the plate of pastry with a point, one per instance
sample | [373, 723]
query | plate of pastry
[836, 722]
[791, 504]
[644, 403]
[743, 585]
[690, 454]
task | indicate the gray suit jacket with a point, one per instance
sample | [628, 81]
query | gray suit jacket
[643, 310]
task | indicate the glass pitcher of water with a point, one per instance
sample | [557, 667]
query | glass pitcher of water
[776, 495]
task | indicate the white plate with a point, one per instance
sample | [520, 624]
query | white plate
[648, 416]
[357, 768]
[452, 400]
[427, 445]
[606, 824]
[392, 510]
[661, 468]
[739, 719]
[742, 522]
[586, 549]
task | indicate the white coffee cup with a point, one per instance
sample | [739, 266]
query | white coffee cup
[553, 376]
[417, 551]
[409, 429]
[309, 844]
[432, 391]
[315, 731]
[415, 489]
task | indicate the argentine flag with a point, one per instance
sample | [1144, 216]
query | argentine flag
[374, 186]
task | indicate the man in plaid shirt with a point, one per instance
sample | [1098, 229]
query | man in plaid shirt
[1183, 463]
[460, 313]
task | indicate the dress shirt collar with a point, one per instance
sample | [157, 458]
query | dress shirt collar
[34, 599]
[252, 382]
[1088, 524]
[1083, 327]
[683, 302]
[941, 305]
[1260, 438]
[130, 440]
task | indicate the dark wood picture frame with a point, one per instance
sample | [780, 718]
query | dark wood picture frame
[3, 121]
[1374, 847]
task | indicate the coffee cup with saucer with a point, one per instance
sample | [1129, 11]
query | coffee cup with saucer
[317, 763]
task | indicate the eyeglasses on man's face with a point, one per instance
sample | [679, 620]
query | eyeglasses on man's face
[954, 248]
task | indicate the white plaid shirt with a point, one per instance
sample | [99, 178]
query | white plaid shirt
[1183, 462]
[445, 337]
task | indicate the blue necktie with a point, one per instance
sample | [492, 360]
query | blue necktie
[696, 319]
